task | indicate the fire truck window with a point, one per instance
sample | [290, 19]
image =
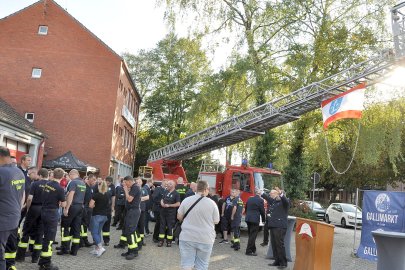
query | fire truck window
[241, 181]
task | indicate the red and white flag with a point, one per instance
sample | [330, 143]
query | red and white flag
[349, 104]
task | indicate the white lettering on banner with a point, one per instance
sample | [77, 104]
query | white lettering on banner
[387, 218]
[370, 251]
[128, 116]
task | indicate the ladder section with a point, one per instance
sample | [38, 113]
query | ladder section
[291, 106]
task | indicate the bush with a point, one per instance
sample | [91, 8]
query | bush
[299, 209]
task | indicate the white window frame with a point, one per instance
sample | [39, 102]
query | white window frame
[43, 30]
[33, 116]
[36, 73]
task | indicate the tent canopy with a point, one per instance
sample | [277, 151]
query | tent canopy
[68, 161]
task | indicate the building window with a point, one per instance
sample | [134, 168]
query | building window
[43, 30]
[120, 132]
[30, 117]
[36, 73]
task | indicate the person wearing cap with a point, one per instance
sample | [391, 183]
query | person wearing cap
[254, 210]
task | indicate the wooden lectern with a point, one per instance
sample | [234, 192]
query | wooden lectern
[314, 242]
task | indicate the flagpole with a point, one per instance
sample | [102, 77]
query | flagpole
[354, 252]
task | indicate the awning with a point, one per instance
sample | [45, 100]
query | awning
[68, 161]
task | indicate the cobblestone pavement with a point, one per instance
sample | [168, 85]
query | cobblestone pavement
[223, 257]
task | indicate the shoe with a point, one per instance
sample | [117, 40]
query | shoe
[160, 244]
[224, 242]
[274, 264]
[264, 244]
[73, 252]
[106, 244]
[62, 252]
[58, 248]
[236, 248]
[251, 254]
[100, 252]
[87, 243]
[131, 256]
[124, 254]
[168, 244]
[20, 259]
[119, 246]
[282, 266]
[233, 246]
[48, 267]
[93, 251]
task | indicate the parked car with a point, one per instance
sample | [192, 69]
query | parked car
[318, 210]
[343, 214]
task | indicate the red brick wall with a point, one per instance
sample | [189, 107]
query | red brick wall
[75, 99]
[125, 96]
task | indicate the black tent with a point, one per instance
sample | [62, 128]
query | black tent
[68, 161]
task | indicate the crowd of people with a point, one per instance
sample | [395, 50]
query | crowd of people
[38, 200]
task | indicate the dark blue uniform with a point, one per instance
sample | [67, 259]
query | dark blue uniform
[52, 196]
[32, 224]
[226, 218]
[148, 208]
[254, 210]
[181, 189]
[71, 224]
[86, 217]
[277, 222]
[157, 196]
[12, 186]
[141, 224]
[119, 207]
[168, 217]
[235, 222]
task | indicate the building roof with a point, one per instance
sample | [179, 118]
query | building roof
[10, 116]
[45, 2]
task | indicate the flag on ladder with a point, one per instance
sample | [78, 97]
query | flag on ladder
[349, 104]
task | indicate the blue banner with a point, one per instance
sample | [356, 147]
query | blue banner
[382, 211]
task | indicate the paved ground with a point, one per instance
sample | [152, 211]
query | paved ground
[224, 258]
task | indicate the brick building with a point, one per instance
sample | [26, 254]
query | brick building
[19, 135]
[70, 85]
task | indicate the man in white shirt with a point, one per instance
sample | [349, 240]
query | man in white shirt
[198, 229]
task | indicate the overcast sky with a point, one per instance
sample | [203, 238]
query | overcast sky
[125, 25]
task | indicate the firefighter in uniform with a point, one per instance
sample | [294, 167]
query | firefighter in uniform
[107, 225]
[32, 224]
[119, 206]
[236, 218]
[141, 224]
[157, 196]
[12, 186]
[53, 197]
[72, 215]
[132, 205]
[181, 189]
[169, 204]
[87, 211]
[226, 214]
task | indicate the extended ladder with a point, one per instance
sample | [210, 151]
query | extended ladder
[289, 107]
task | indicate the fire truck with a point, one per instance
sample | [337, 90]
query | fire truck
[220, 179]
[165, 163]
